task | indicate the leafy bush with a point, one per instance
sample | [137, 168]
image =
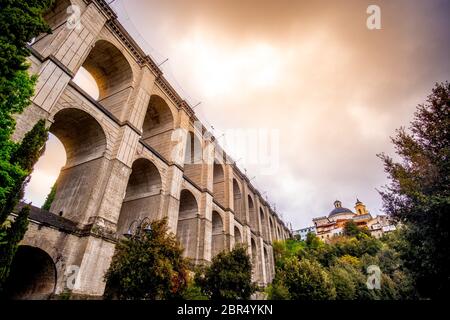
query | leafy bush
[228, 277]
[148, 267]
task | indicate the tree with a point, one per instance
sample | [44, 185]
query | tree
[339, 269]
[24, 156]
[313, 241]
[49, 199]
[344, 283]
[149, 266]
[12, 236]
[419, 192]
[308, 280]
[351, 229]
[229, 276]
[286, 249]
[20, 21]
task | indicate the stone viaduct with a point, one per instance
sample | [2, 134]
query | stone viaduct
[130, 154]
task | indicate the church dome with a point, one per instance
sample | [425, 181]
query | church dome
[339, 210]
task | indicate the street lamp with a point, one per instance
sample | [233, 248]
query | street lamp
[142, 226]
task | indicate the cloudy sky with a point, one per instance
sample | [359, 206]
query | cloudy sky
[310, 73]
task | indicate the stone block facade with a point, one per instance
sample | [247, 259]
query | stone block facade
[137, 151]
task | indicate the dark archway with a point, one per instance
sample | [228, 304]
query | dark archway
[272, 230]
[218, 234]
[158, 126]
[33, 275]
[188, 224]
[263, 224]
[267, 266]
[143, 194]
[252, 214]
[255, 262]
[218, 183]
[237, 236]
[193, 159]
[237, 200]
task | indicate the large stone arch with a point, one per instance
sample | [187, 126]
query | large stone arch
[143, 194]
[239, 213]
[85, 144]
[188, 224]
[158, 126]
[219, 183]
[252, 213]
[113, 75]
[33, 275]
[217, 234]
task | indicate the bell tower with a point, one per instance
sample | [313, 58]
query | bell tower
[360, 208]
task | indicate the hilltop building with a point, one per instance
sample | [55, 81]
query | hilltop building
[333, 224]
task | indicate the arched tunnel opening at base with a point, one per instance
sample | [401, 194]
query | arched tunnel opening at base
[32, 275]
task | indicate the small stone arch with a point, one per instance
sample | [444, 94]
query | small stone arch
[255, 260]
[267, 265]
[218, 183]
[158, 126]
[263, 223]
[112, 74]
[33, 275]
[193, 159]
[237, 202]
[252, 213]
[217, 234]
[271, 229]
[237, 236]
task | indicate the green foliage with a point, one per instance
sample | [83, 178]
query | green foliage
[316, 270]
[351, 229]
[24, 156]
[312, 241]
[20, 21]
[307, 280]
[344, 283]
[149, 267]
[12, 237]
[228, 277]
[49, 199]
[283, 250]
[194, 292]
[419, 192]
[277, 291]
